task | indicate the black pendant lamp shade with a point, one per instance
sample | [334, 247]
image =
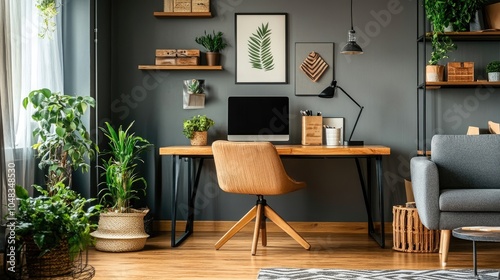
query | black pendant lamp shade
[351, 47]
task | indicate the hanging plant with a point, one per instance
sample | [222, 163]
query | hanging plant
[48, 11]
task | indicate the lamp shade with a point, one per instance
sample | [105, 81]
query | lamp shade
[351, 47]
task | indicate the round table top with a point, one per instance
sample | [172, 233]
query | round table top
[488, 234]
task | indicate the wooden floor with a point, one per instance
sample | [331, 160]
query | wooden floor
[197, 258]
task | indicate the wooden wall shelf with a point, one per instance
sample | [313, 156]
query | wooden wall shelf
[437, 85]
[177, 14]
[180, 67]
[468, 36]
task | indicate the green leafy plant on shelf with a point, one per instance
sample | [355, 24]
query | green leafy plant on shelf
[212, 42]
[196, 123]
[122, 180]
[441, 46]
[493, 66]
[48, 11]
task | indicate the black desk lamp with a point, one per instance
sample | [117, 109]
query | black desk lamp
[328, 93]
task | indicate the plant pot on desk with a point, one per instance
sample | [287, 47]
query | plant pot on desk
[213, 58]
[200, 138]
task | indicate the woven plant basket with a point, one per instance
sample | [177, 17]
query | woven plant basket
[54, 263]
[120, 232]
[410, 235]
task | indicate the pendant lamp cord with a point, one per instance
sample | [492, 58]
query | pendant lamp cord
[352, 25]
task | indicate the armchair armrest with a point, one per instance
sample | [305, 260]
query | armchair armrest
[425, 184]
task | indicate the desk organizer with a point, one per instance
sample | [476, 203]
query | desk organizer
[312, 130]
[410, 235]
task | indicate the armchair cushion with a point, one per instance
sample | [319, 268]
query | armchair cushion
[476, 200]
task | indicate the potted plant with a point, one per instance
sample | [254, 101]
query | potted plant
[441, 45]
[466, 13]
[213, 43]
[196, 129]
[194, 94]
[121, 227]
[48, 11]
[54, 226]
[493, 70]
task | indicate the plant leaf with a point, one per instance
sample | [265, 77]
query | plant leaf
[259, 49]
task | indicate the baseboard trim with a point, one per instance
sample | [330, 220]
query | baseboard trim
[223, 226]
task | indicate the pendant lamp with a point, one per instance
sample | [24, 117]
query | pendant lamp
[351, 47]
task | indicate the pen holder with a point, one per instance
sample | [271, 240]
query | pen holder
[332, 136]
[312, 130]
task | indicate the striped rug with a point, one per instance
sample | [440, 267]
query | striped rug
[320, 274]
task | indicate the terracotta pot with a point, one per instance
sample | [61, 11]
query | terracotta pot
[199, 138]
[434, 73]
[213, 58]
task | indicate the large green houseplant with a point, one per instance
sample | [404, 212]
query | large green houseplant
[56, 224]
[121, 227]
[214, 43]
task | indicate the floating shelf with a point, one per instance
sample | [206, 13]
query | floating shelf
[178, 14]
[468, 36]
[437, 85]
[180, 67]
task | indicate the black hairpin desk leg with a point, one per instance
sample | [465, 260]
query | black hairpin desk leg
[193, 180]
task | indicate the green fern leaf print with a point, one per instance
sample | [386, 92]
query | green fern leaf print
[259, 49]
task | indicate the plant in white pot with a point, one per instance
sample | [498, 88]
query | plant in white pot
[196, 129]
[214, 44]
[54, 226]
[121, 227]
[493, 70]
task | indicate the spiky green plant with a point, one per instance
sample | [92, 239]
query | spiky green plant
[212, 42]
[122, 180]
[259, 49]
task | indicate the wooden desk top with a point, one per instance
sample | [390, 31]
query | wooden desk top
[289, 150]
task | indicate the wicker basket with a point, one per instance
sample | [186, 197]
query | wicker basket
[409, 235]
[54, 263]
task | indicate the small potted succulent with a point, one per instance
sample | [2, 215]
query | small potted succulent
[196, 129]
[213, 43]
[194, 94]
[493, 70]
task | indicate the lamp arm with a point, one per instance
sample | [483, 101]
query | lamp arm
[359, 114]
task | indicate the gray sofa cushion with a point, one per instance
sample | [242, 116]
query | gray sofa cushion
[467, 161]
[470, 200]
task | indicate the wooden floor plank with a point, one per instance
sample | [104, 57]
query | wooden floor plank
[197, 258]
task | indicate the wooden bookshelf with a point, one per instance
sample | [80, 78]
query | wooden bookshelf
[181, 14]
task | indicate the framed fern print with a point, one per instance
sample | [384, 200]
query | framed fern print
[261, 48]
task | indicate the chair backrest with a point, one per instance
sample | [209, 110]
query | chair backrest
[251, 168]
[467, 161]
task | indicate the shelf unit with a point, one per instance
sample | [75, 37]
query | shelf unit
[423, 38]
[180, 67]
[179, 14]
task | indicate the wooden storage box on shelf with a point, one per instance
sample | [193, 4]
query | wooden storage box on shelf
[187, 61]
[165, 61]
[460, 71]
[168, 6]
[200, 6]
[409, 234]
[166, 52]
[312, 130]
[188, 53]
[182, 6]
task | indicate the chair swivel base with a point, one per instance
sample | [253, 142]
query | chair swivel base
[260, 212]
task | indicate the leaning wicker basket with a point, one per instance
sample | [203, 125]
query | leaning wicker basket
[410, 235]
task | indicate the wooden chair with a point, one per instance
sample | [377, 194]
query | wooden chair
[254, 168]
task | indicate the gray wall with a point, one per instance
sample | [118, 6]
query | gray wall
[383, 79]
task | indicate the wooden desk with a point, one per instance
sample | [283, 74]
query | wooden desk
[197, 154]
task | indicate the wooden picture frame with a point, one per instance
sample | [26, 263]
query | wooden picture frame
[261, 48]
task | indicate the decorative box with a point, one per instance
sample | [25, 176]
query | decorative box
[188, 53]
[460, 71]
[168, 6]
[187, 61]
[200, 6]
[165, 61]
[182, 6]
[166, 53]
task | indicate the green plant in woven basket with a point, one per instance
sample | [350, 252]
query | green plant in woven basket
[196, 123]
[122, 180]
[51, 218]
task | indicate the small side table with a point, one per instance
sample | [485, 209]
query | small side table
[485, 234]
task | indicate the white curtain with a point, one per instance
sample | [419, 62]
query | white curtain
[27, 62]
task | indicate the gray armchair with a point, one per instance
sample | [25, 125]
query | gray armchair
[459, 185]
